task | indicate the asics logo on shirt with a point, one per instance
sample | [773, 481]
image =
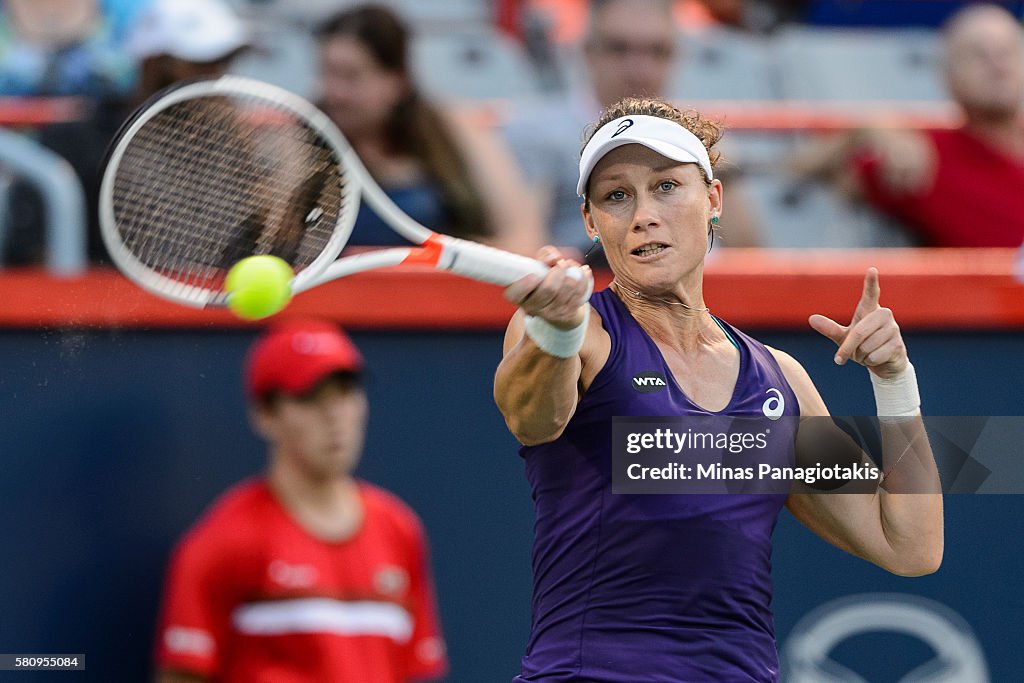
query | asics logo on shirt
[649, 381]
[774, 406]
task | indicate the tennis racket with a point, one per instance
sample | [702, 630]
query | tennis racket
[209, 172]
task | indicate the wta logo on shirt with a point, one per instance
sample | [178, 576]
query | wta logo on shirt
[649, 381]
[775, 405]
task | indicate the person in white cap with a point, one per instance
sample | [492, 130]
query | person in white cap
[678, 587]
[176, 40]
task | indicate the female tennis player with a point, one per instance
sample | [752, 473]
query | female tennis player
[677, 587]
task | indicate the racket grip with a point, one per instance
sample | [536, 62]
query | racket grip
[487, 264]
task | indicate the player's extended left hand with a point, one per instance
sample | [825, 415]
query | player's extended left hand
[872, 338]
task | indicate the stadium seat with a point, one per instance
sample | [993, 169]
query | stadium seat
[419, 14]
[722, 64]
[426, 15]
[795, 214]
[285, 56]
[479, 64]
[306, 12]
[859, 64]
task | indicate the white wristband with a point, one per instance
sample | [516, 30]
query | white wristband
[555, 341]
[897, 397]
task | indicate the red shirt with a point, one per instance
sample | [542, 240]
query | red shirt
[977, 199]
[252, 597]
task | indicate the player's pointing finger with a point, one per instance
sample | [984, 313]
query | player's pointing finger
[872, 290]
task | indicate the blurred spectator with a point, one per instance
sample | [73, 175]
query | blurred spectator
[629, 48]
[450, 176]
[567, 20]
[123, 14]
[953, 188]
[306, 573]
[178, 40]
[56, 48]
[171, 40]
[62, 47]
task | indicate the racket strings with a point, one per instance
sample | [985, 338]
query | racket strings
[209, 181]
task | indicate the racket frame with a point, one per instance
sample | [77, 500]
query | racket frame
[442, 252]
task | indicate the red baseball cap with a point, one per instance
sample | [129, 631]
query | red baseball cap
[293, 357]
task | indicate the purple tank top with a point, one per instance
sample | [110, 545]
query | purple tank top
[638, 588]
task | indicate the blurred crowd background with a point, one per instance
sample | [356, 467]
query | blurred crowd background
[851, 123]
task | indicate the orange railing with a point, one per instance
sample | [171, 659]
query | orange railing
[16, 112]
[777, 289]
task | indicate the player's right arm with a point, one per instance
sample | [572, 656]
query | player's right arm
[900, 161]
[537, 392]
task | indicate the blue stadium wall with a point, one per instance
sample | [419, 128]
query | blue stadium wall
[112, 442]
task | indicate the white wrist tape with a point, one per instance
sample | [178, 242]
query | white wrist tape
[555, 341]
[898, 396]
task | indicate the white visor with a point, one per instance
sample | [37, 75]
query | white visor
[667, 138]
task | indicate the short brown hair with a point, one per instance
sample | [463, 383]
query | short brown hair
[707, 131]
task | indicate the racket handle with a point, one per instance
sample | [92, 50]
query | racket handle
[487, 264]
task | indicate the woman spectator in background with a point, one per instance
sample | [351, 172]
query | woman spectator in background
[448, 175]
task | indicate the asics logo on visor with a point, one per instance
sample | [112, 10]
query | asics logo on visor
[623, 127]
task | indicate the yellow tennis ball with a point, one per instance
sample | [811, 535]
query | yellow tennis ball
[258, 286]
